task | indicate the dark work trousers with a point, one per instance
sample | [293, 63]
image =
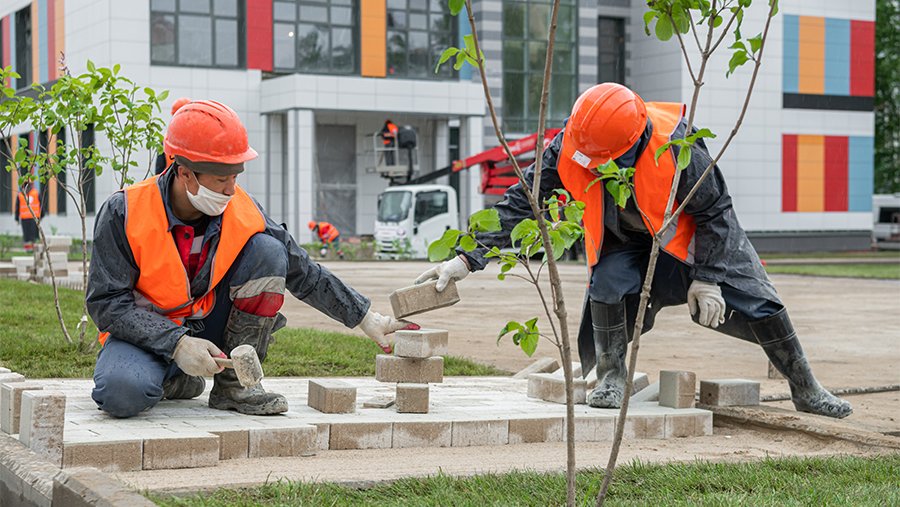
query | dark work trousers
[620, 274]
[29, 230]
[129, 379]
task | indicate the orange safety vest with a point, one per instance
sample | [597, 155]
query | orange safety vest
[652, 183]
[34, 200]
[389, 136]
[327, 232]
[163, 285]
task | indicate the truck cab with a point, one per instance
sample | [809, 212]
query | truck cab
[410, 217]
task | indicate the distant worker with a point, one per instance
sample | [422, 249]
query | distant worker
[389, 138]
[328, 235]
[29, 212]
[162, 160]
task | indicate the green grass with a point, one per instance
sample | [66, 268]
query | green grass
[770, 482]
[887, 271]
[32, 343]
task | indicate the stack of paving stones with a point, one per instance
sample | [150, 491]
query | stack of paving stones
[36, 415]
[24, 267]
[417, 361]
[58, 254]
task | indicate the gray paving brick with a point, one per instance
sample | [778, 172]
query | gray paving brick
[412, 398]
[373, 435]
[332, 396]
[416, 371]
[549, 387]
[677, 388]
[729, 392]
[180, 451]
[694, 423]
[422, 298]
[421, 343]
[323, 434]
[233, 444]
[4, 370]
[108, 456]
[542, 365]
[484, 432]
[11, 377]
[645, 426]
[649, 393]
[89, 487]
[595, 429]
[422, 434]
[282, 442]
[11, 404]
[42, 423]
[529, 431]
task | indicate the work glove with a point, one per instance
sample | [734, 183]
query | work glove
[195, 356]
[455, 269]
[706, 298]
[378, 326]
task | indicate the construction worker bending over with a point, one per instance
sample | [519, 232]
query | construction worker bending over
[186, 264]
[706, 261]
[328, 235]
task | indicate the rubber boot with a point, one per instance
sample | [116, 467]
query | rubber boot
[183, 387]
[778, 339]
[611, 342]
[227, 393]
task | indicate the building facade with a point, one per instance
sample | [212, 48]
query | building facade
[313, 80]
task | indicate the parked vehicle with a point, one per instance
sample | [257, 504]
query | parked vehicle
[410, 217]
[886, 214]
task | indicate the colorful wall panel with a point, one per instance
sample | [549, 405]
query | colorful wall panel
[828, 63]
[826, 173]
[259, 34]
[47, 40]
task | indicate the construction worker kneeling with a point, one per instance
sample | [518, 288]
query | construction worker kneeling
[187, 264]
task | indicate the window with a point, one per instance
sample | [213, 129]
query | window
[525, 27]
[418, 31]
[317, 36]
[197, 33]
[23, 48]
[430, 205]
[611, 50]
[394, 206]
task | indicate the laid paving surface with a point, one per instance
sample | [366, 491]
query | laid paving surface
[464, 411]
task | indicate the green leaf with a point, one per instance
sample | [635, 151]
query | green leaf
[442, 248]
[456, 6]
[659, 151]
[648, 17]
[737, 59]
[682, 23]
[449, 52]
[486, 220]
[460, 60]
[557, 244]
[717, 21]
[530, 337]
[574, 212]
[90, 66]
[684, 157]
[664, 29]
[775, 10]
[738, 45]
[755, 43]
[510, 327]
[467, 243]
[470, 44]
[525, 231]
[704, 132]
[553, 207]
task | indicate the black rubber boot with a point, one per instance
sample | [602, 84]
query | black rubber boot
[227, 393]
[183, 387]
[611, 342]
[777, 337]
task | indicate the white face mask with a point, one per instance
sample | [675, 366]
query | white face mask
[208, 202]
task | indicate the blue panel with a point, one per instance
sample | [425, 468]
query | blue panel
[791, 61]
[861, 173]
[42, 29]
[837, 56]
[465, 73]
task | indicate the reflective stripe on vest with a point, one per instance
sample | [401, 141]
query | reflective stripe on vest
[163, 285]
[652, 183]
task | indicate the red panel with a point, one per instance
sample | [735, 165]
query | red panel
[836, 166]
[51, 40]
[259, 34]
[789, 172]
[862, 58]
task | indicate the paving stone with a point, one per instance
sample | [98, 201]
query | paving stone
[23, 262]
[677, 388]
[640, 381]
[180, 451]
[542, 365]
[422, 298]
[530, 431]
[549, 387]
[694, 423]
[108, 456]
[42, 423]
[282, 442]
[233, 444]
[422, 434]
[421, 343]
[649, 393]
[370, 435]
[594, 429]
[11, 377]
[5, 370]
[645, 426]
[485, 432]
[416, 371]
[379, 402]
[89, 487]
[576, 371]
[729, 392]
[11, 404]
[412, 398]
[323, 433]
[332, 396]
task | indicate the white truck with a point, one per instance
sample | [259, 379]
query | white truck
[410, 217]
[886, 215]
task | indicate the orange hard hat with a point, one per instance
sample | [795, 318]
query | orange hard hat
[178, 104]
[311, 225]
[208, 131]
[606, 121]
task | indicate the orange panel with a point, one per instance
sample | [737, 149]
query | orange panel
[811, 75]
[373, 35]
[810, 173]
